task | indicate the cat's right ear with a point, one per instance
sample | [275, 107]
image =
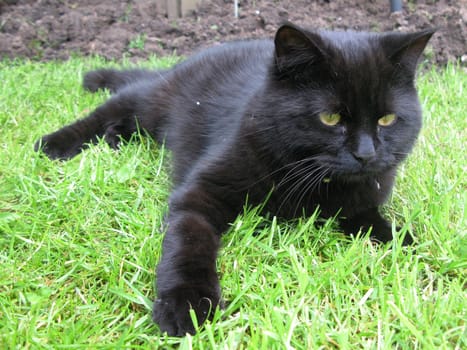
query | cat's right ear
[295, 47]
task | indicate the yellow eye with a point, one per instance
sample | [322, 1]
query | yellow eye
[330, 119]
[387, 120]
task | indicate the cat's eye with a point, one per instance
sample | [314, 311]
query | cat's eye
[387, 120]
[330, 119]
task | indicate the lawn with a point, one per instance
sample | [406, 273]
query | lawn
[79, 240]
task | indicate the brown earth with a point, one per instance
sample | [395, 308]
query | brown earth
[53, 29]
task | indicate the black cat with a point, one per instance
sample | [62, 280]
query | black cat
[312, 119]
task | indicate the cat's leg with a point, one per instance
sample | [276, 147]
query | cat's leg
[113, 121]
[381, 229]
[186, 274]
[109, 120]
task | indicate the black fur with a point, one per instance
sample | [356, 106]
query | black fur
[242, 119]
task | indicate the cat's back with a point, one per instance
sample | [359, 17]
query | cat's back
[213, 87]
[245, 55]
[231, 69]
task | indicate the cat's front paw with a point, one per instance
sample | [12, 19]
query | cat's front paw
[172, 310]
[384, 235]
[381, 229]
[408, 240]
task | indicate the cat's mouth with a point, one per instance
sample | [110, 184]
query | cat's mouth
[356, 177]
[353, 170]
[358, 174]
[355, 173]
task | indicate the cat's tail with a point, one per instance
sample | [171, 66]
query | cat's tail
[114, 80]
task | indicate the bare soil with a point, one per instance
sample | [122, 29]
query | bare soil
[53, 29]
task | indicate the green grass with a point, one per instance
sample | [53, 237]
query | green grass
[79, 240]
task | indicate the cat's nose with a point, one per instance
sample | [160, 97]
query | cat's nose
[364, 157]
[365, 150]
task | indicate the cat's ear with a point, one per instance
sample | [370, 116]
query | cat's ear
[295, 47]
[404, 49]
[291, 39]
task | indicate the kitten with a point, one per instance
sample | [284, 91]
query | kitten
[313, 119]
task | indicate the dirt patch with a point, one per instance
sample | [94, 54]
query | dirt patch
[51, 29]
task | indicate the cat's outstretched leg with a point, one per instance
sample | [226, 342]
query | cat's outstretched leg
[186, 274]
[381, 229]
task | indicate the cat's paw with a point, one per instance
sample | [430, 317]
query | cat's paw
[55, 146]
[407, 239]
[172, 311]
[381, 229]
[384, 234]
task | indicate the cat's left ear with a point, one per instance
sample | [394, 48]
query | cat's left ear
[405, 49]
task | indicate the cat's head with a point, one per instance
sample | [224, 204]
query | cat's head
[346, 99]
